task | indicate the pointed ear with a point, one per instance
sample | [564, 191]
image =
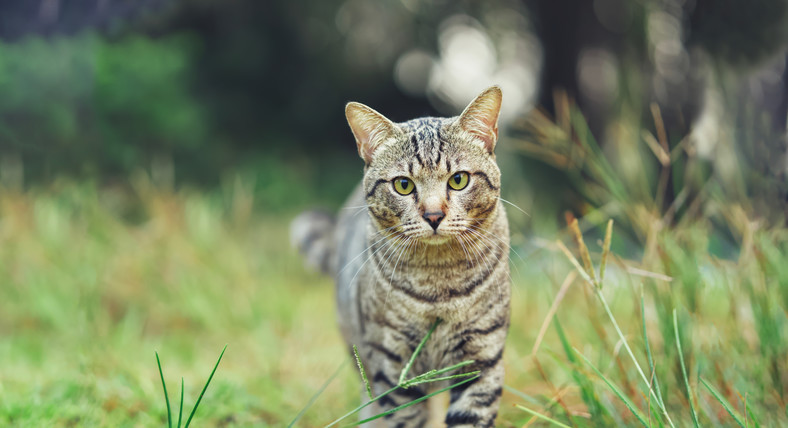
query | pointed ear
[480, 118]
[370, 128]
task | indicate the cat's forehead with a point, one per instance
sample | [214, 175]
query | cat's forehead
[427, 140]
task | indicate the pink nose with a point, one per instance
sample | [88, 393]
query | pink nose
[434, 218]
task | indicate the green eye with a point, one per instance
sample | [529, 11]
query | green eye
[404, 186]
[459, 180]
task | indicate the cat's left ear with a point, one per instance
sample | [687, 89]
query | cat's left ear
[480, 118]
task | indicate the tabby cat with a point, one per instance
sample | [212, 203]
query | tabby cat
[424, 237]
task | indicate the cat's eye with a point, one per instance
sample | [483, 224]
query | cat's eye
[404, 186]
[459, 180]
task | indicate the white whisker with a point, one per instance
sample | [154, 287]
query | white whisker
[521, 210]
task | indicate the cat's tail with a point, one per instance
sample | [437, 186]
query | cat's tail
[312, 233]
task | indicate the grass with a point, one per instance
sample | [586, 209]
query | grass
[673, 333]
[88, 296]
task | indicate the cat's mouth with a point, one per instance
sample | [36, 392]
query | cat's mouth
[435, 238]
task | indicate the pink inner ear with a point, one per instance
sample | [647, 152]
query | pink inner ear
[369, 127]
[480, 118]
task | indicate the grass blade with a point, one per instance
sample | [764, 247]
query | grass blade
[734, 414]
[416, 352]
[410, 403]
[317, 394]
[188, 421]
[432, 373]
[362, 371]
[660, 401]
[587, 393]
[410, 383]
[630, 405]
[684, 371]
[180, 408]
[164, 386]
[541, 416]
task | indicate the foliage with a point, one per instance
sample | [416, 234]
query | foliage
[89, 105]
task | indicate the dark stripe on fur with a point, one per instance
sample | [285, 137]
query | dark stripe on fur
[387, 401]
[375, 186]
[486, 179]
[498, 323]
[382, 378]
[455, 393]
[413, 393]
[462, 418]
[451, 293]
[385, 351]
[486, 364]
[484, 399]
[415, 143]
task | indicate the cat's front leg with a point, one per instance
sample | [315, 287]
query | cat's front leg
[475, 404]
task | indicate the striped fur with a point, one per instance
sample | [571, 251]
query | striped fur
[396, 274]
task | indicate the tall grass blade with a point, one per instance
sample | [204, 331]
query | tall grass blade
[734, 414]
[595, 407]
[684, 371]
[595, 285]
[188, 421]
[362, 371]
[180, 407]
[541, 416]
[410, 403]
[660, 401]
[748, 412]
[630, 405]
[164, 386]
[317, 394]
[416, 352]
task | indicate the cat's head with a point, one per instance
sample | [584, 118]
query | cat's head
[430, 178]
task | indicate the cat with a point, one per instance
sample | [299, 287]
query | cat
[423, 237]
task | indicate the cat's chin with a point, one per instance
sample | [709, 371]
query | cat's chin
[435, 239]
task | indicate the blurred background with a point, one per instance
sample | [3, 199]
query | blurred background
[152, 153]
[194, 92]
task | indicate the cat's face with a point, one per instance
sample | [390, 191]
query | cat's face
[430, 179]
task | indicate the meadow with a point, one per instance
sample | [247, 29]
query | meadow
[688, 326]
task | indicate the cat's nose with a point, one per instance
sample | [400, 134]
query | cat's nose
[434, 218]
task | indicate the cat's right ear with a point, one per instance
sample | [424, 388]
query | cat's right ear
[370, 128]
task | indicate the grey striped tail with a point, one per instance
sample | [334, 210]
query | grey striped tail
[312, 233]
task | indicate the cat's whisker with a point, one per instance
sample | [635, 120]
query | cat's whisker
[477, 243]
[510, 203]
[405, 249]
[484, 239]
[366, 249]
[499, 239]
[462, 246]
[388, 244]
[490, 269]
[379, 232]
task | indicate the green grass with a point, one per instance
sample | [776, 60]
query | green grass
[88, 297]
